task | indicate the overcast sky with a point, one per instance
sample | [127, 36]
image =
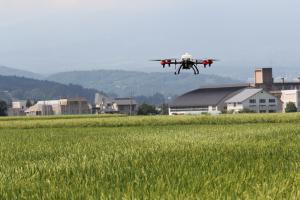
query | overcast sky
[47, 36]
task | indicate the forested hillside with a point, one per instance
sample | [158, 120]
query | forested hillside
[12, 87]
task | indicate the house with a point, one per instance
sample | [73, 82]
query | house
[290, 96]
[103, 104]
[126, 106]
[254, 99]
[207, 100]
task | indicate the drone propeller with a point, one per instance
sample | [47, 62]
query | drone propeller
[212, 59]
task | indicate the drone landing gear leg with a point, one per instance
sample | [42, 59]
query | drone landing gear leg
[178, 72]
[194, 70]
[197, 69]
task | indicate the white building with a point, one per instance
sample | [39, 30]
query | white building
[290, 96]
[256, 100]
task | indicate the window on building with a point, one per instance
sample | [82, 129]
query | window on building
[234, 104]
[262, 101]
[252, 101]
[262, 111]
[272, 101]
[272, 111]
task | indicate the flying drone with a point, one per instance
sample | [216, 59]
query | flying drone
[186, 62]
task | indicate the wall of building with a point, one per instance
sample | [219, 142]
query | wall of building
[19, 104]
[212, 110]
[290, 96]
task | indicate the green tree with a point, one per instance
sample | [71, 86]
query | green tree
[3, 108]
[146, 109]
[290, 107]
[164, 109]
[28, 103]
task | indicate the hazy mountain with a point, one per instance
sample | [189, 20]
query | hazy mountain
[20, 88]
[8, 71]
[127, 83]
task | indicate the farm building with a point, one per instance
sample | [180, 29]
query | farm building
[209, 100]
[255, 100]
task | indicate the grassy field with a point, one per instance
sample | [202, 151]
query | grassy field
[160, 157]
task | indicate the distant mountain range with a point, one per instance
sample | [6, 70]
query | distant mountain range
[8, 71]
[20, 88]
[127, 83]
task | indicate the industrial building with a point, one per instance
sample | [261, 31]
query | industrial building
[264, 79]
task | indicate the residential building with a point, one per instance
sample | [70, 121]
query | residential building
[126, 106]
[70, 106]
[208, 100]
[103, 104]
[290, 96]
[253, 99]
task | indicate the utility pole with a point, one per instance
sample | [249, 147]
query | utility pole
[130, 107]
[282, 83]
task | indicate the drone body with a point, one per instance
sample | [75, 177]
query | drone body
[186, 62]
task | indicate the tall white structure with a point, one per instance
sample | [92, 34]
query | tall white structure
[290, 96]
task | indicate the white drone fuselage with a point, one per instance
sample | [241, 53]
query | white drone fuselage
[186, 57]
[187, 61]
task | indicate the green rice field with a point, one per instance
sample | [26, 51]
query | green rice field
[158, 157]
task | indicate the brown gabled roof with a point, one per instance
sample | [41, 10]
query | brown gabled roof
[208, 96]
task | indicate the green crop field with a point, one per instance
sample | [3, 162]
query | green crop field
[158, 157]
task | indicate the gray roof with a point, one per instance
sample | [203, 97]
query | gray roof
[125, 101]
[210, 96]
[243, 95]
